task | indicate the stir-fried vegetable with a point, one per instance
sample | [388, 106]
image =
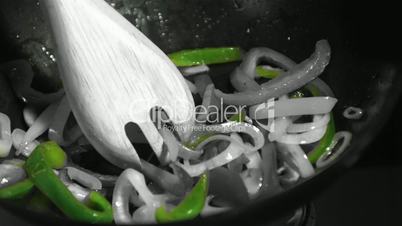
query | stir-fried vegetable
[326, 140]
[131, 187]
[324, 143]
[5, 135]
[292, 80]
[40, 165]
[17, 191]
[253, 158]
[186, 58]
[202, 137]
[189, 208]
[316, 89]
[265, 72]
[14, 183]
[331, 153]
[295, 107]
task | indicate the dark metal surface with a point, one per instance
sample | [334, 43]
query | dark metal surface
[364, 71]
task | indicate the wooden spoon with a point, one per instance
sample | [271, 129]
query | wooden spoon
[112, 75]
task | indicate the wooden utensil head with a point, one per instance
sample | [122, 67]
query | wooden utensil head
[113, 75]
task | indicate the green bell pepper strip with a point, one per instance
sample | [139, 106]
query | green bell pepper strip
[208, 56]
[194, 57]
[267, 73]
[328, 137]
[18, 190]
[324, 143]
[189, 208]
[39, 166]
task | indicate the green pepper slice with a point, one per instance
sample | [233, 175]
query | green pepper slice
[193, 57]
[189, 208]
[267, 73]
[18, 190]
[208, 56]
[39, 166]
[324, 143]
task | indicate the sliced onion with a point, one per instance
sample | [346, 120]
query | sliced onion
[254, 158]
[242, 82]
[353, 113]
[106, 180]
[319, 121]
[253, 180]
[131, 179]
[15, 162]
[5, 135]
[201, 81]
[164, 179]
[171, 142]
[295, 157]
[294, 107]
[297, 77]
[188, 154]
[240, 127]
[279, 125]
[30, 115]
[290, 175]
[79, 192]
[144, 215]
[303, 138]
[253, 176]
[56, 128]
[331, 154]
[233, 151]
[11, 174]
[41, 124]
[188, 71]
[22, 147]
[84, 178]
[269, 168]
[191, 86]
[278, 128]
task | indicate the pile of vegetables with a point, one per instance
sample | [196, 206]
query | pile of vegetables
[282, 133]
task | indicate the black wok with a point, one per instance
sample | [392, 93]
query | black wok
[364, 70]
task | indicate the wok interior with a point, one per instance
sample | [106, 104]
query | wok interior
[291, 27]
